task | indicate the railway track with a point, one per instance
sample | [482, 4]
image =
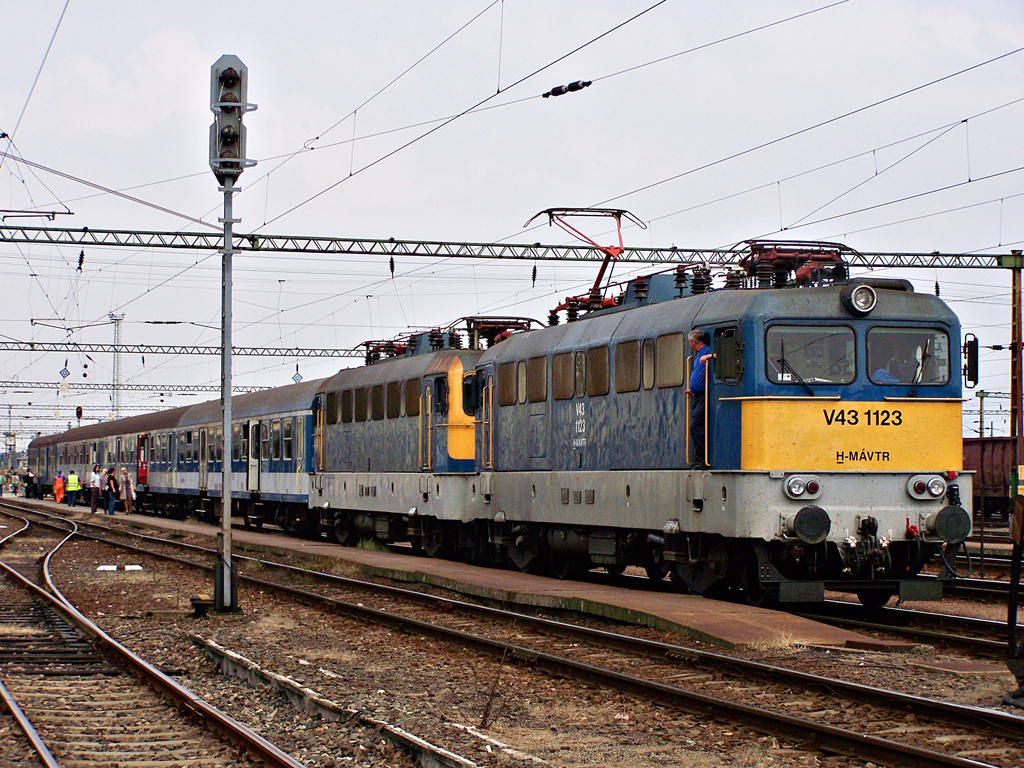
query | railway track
[81, 699]
[850, 719]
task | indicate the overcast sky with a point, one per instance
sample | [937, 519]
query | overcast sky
[122, 101]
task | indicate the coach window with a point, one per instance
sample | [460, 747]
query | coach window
[377, 402]
[346, 407]
[393, 399]
[181, 448]
[537, 379]
[670, 360]
[814, 354]
[627, 366]
[521, 382]
[245, 442]
[331, 407]
[412, 397]
[286, 439]
[597, 371]
[276, 438]
[300, 426]
[908, 356]
[265, 440]
[236, 442]
[220, 444]
[561, 376]
[507, 384]
[647, 367]
[360, 400]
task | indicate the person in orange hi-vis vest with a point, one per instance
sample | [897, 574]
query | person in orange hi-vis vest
[58, 487]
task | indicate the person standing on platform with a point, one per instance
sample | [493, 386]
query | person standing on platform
[74, 488]
[127, 490]
[696, 392]
[58, 487]
[94, 488]
[30, 485]
[114, 490]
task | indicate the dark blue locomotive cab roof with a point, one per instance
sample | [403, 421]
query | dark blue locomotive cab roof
[286, 399]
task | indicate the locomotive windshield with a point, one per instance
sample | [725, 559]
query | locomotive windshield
[908, 356]
[800, 353]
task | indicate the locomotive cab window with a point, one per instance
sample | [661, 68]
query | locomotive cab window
[470, 392]
[441, 395]
[728, 357]
[814, 354]
[908, 356]
[507, 384]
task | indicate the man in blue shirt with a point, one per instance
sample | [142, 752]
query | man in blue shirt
[695, 393]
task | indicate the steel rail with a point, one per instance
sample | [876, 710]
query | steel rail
[35, 740]
[177, 693]
[851, 743]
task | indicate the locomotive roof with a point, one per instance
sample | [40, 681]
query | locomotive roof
[401, 368]
[701, 310]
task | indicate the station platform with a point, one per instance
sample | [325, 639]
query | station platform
[727, 624]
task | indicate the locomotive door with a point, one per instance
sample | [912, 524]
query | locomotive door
[485, 448]
[253, 481]
[204, 468]
[426, 428]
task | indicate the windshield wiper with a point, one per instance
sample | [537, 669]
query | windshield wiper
[785, 366]
[919, 374]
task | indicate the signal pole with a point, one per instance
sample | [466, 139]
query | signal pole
[228, 102]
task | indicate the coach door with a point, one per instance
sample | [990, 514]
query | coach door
[253, 483]
[204, 466]
[143, 472]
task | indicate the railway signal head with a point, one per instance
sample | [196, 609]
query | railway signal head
[228, 102]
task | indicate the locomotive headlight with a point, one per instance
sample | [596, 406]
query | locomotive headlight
[796, 486]
[936, 487]
[858, 298]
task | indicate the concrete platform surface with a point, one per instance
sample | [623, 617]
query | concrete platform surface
[712, 621]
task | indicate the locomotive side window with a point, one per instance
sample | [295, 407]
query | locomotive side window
[597, 371]
[537, 379]
[627, 366]
[360, 404]
[521, 381]
[728, 357]
[394, 400]
[908, 356]
[670, 354]
[814, 354]
[346, 407]
[412, 397]
[647, 363]
[562, 376]
[581, 374]
[332, 408]
[507, 384]
[377, 402]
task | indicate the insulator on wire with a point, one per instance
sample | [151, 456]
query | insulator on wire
[392, 266]
[81, 260]
[534, 275]
[561, 90]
